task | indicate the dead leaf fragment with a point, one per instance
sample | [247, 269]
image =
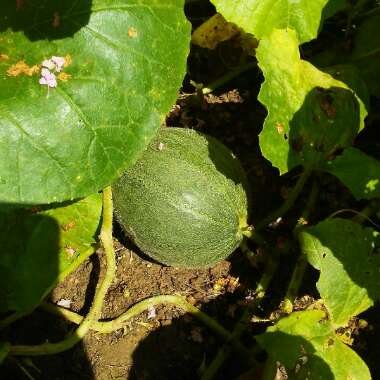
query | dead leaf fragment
[328, 108]
[213, 31]
[20, 5]
[280, 128]
[56, 20]
[63, 76]
[3, 57]
[132, 32]
[68, 60]
[68, 226]
[70, 251]
[21, 67]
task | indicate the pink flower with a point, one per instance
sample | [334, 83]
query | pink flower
[59, 62]
[48, 78]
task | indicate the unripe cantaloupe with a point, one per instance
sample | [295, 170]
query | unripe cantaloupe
[184, 203]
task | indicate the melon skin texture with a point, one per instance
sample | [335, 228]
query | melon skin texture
[184, 202]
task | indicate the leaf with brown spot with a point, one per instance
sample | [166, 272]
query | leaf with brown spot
[132, 32]
[306, 345]
[96, 123]
[64, 76]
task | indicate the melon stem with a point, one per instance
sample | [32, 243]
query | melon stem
[106, 327]
[301, 264]
[250, 233]
[289, 202]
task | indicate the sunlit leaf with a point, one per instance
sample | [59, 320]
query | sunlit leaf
[358, 171]
[306, 344]
[124, 63]
[310, 114]
[261, 17]
[344, 253]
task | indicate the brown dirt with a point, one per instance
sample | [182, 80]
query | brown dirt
[165, 345]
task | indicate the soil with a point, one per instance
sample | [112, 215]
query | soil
[164, 342]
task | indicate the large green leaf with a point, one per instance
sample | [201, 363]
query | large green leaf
[125, 62]
[305, 343]
[310, 113]
[37, 249]
[260, 17]
[358, 171]
[344, 252]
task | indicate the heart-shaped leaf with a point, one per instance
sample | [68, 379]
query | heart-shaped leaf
[123, 62]
[344, 253]
[306, 345]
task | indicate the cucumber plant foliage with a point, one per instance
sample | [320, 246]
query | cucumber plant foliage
[85, 85]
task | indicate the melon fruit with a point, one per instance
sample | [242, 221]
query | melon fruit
[184, 202]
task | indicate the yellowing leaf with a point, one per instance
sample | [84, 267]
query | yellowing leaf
[213, 31]
[317, 114]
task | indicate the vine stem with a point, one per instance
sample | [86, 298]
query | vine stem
[241, 325]
[301, 264]
[96, 308]
[289, 202]
[105, 327]
[228, 77]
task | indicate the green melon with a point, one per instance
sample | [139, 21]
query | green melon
[184, 203]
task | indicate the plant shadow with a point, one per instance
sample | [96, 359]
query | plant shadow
[49, 20]
[184, 347]
[29, 265]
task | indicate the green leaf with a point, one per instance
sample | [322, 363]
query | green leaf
[343, 252]
[305, 343]
[39, 249]
[358, 171]
[261, 17]
[126, 61]
[307, 108]
[367, 51]
[79, 223]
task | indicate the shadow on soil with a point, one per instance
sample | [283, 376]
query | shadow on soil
[29, 260]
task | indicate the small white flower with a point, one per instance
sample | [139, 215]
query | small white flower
[151, 312]
[59, 62]
[48, 78]
[49, 64]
